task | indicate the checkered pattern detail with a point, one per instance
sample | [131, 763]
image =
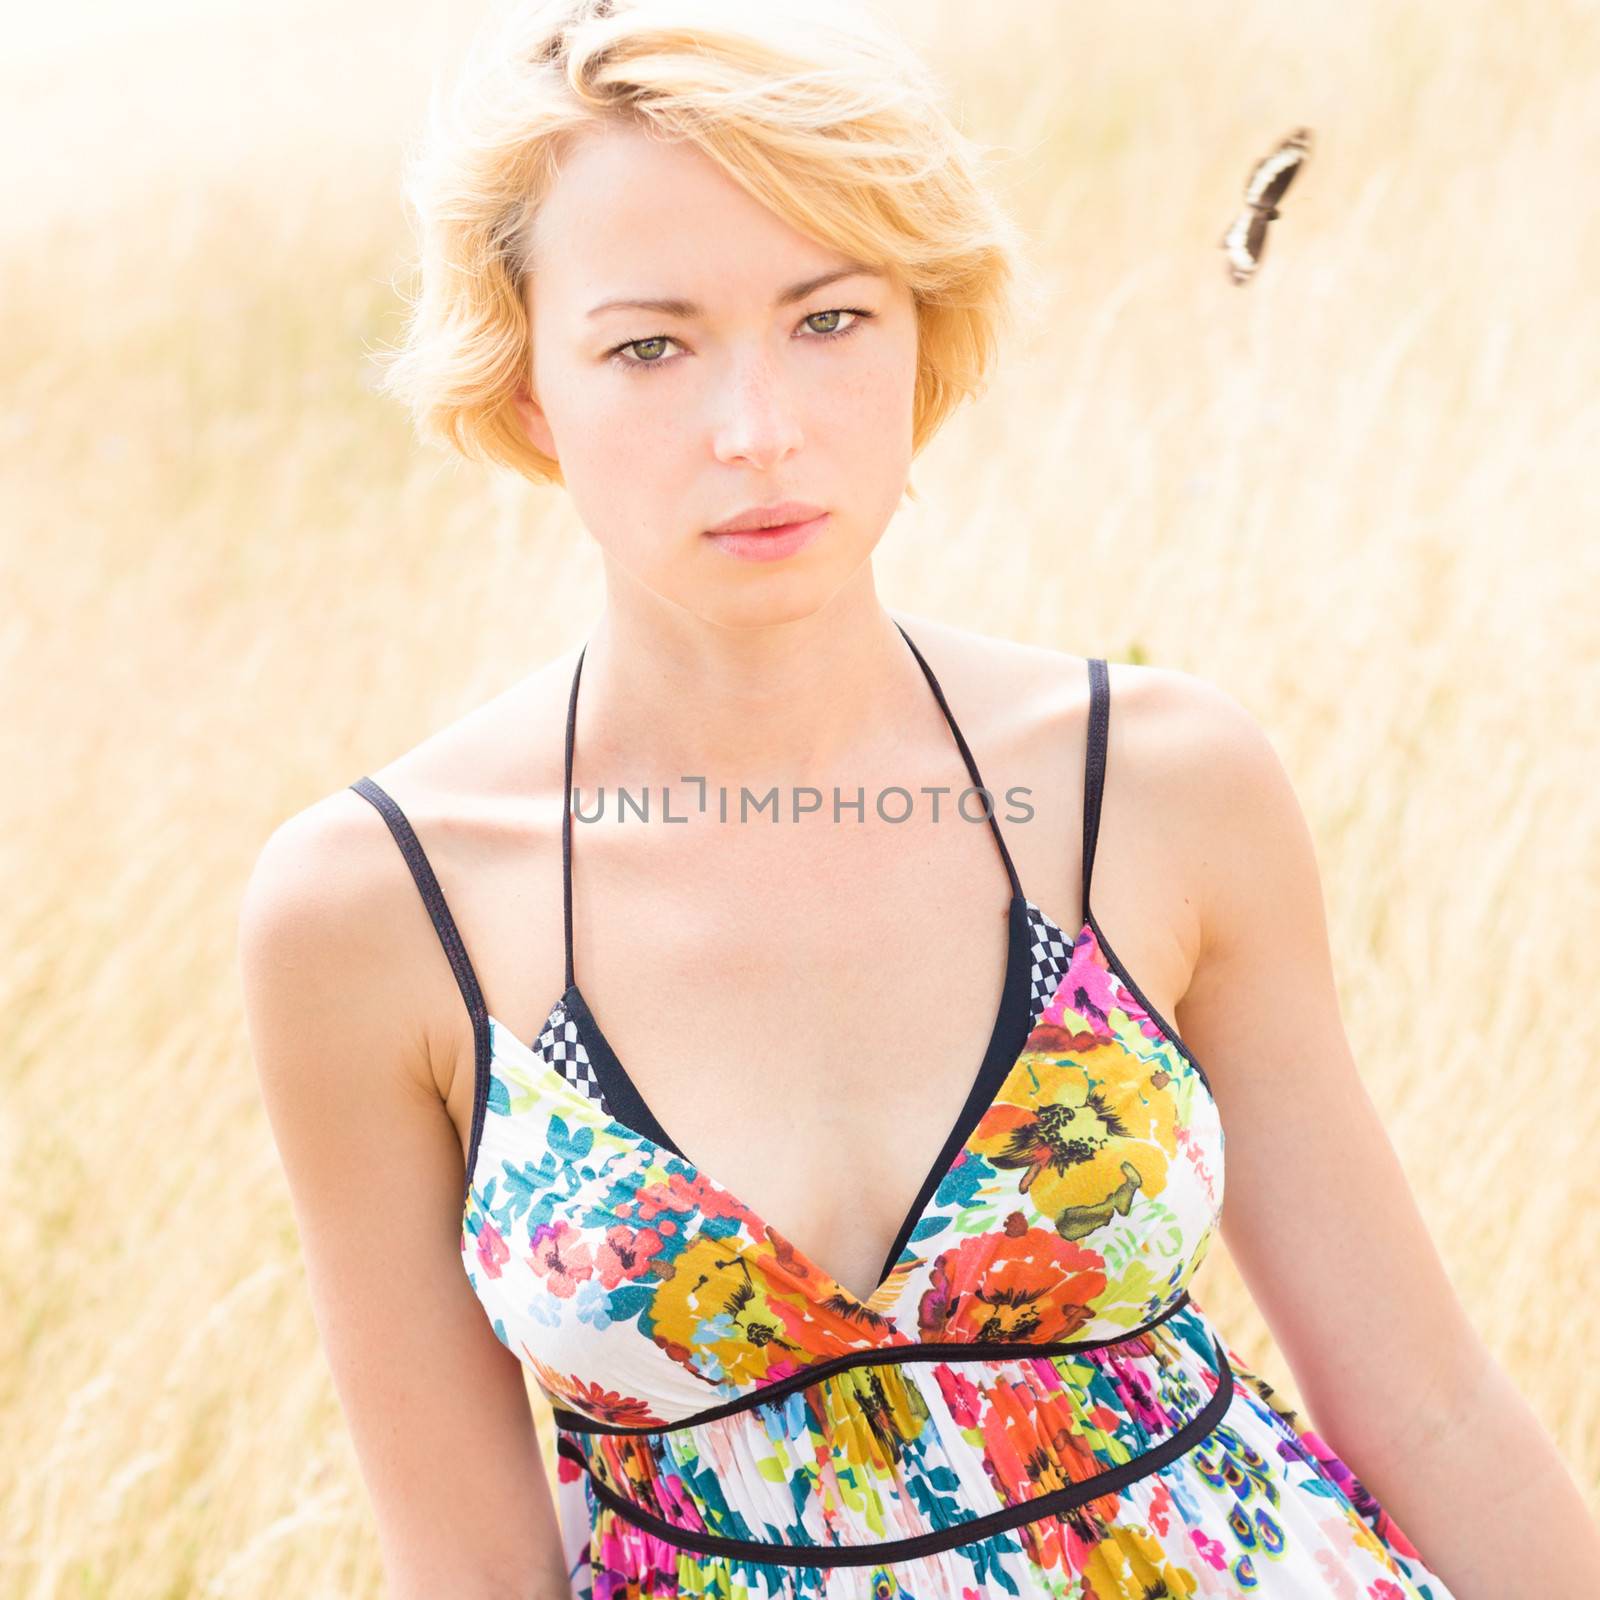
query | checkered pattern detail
[559, 1045]
[1051, 955]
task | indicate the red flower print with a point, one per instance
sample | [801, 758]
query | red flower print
[960, 1395]
[995, 1287]
[685, 1196]
[560, 1257]
[626, 1254]
[1160, 1512]
[493, 1251]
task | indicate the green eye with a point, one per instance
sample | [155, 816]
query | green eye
[618, 356]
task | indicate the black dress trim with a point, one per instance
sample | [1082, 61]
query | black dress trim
[1012, 1024]
[1094, 766]
[889, 1356]
[618, 1092]
[972, 1531]
[454, 948]
[1094, 778]
[1115, 963]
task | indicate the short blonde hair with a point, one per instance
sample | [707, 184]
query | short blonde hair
[813, 106]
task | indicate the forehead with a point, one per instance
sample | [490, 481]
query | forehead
[631, 213]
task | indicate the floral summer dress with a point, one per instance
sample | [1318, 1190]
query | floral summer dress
[1029, 1403]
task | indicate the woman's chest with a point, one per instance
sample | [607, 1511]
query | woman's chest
[812, 1039]
[1079, 1183]
[817, 1070]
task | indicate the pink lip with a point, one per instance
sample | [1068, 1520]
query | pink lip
[775, 515]
[770, 544]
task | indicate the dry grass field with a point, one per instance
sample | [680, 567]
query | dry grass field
[1360, 493]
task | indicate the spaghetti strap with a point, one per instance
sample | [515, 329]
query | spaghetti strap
[449, 935]
[432, 895]
[1094, 766]
[972, 766]
[566, 816]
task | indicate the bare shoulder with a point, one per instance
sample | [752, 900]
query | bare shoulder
[1196, 744]
[1184, 730]
[508, 744]
[319, 917]
[1235, 835]
[333, 892]
[1195, 766]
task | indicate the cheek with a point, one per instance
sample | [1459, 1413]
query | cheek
[867, 417]
[882, 380]
[627, 460]
[615, 419]
[887, 389]
[611, 428]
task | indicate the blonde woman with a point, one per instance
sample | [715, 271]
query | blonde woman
[818, 1140]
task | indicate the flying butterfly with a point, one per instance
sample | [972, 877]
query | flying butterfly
[1246, 237]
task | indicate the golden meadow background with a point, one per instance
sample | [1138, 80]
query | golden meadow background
[1359, 493]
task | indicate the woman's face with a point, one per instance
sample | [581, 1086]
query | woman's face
[668, 421]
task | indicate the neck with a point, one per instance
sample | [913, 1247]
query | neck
[663, 694]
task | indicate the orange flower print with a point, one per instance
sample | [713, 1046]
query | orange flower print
[1087, 1125]
[1034, 1285]
[742, 1312]
[1159, 1512]
[560, 1257]
[592, 1400]
[1031, 1448]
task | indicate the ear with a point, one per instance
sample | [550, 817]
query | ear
[534, 422]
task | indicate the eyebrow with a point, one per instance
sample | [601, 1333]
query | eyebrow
[688, 308]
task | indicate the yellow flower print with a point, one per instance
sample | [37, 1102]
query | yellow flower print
[737, 1314]
[869, 1415]
[1088, 1129]
[1129, 1561]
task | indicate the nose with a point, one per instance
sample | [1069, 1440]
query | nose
[757, 414]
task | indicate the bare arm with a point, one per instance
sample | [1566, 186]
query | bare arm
[436, 1405]
[1318, 1213]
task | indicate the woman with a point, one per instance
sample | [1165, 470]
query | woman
[868, 1273]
